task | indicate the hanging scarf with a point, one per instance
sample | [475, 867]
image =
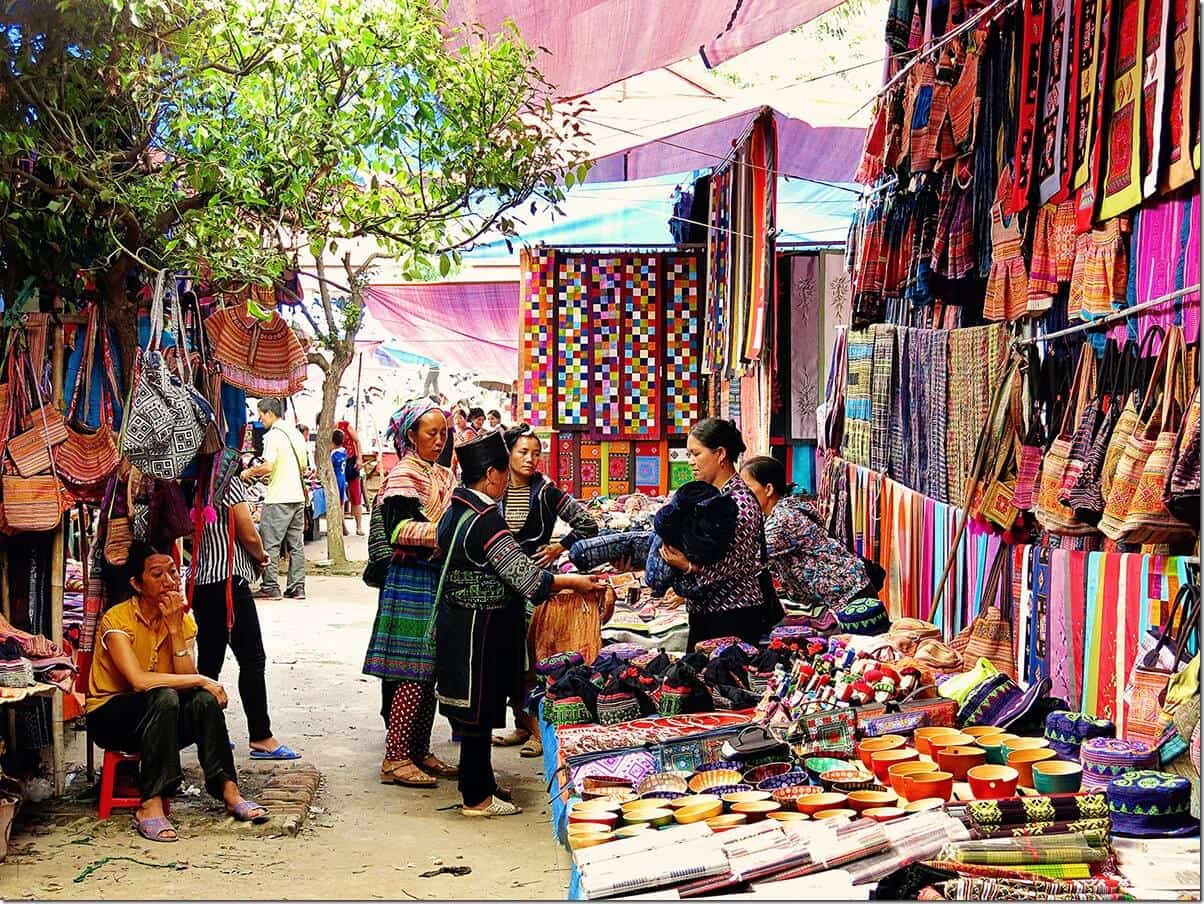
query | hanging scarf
[1092, 187]
[1122, 171]
[1181, 125]
[1083, 80]
[1053, 161]
[1153, 91]
[1025, 160]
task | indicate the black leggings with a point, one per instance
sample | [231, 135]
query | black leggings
[476, 763]
[246, 640]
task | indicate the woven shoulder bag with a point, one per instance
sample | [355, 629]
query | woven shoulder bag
[1052, 513]
[89, 455]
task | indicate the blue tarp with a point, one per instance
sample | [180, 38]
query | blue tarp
[638, 213]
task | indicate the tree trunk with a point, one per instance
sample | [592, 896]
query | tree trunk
[336, 550]
[121, 311]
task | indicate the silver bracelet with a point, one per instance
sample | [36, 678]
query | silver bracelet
[183, 653]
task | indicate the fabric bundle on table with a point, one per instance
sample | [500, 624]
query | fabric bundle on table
[1078, 847]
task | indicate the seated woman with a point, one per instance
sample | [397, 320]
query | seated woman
[145, 696]
[532, 506]
[480, 625]
[734, 596]
[813, 569]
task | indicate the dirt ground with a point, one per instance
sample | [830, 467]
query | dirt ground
[362, 839]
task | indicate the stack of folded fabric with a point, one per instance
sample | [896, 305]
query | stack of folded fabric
[15, 669]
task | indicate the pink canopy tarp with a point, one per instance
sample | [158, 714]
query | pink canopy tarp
[823, 153]
[596, 43]
[467, 326]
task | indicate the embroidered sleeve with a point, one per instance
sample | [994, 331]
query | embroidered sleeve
[404, 525]
[511, 564]
[581, 523]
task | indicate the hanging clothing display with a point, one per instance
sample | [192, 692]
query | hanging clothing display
[262, 356]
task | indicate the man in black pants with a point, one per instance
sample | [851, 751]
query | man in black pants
[228, 560]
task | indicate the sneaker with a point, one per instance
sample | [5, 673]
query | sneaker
[297, 593]
[265, 594]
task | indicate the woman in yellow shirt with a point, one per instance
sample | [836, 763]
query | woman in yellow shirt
[145, 696]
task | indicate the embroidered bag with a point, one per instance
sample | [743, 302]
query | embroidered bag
[1148, 680]
[1031, 433]
[829, 731]
[35, 502]
[989, 636]
[166, 420]
[1182, 492]
[1051, 512]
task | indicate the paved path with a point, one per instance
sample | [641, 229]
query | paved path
[362, 840]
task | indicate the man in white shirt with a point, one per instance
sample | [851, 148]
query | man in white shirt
[285, 461]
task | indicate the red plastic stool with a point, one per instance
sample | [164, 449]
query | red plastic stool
[109, 799]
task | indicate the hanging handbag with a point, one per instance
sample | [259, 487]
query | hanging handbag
[207, 380]
[117, 527]
[166, 420]
[1031, 446]
[1051, 512]
[1162, 403]
[89, 455]
[1181, 496]
[567, 622]
[1146, 688]
[989, 636]
[35, 502]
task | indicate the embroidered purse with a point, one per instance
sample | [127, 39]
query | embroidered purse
[1182, 493]
[89, 455]
[1148, 681]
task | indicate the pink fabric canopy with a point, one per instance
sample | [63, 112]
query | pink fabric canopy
[466, 326]
[596, 43]
[828, 154]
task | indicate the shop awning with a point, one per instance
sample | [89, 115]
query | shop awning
[471, 327]
[592, 45]
[824, 153]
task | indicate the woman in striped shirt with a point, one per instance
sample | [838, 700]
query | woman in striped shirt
[532, 506]
[225, 562]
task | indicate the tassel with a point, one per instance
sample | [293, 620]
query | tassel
[210, 515]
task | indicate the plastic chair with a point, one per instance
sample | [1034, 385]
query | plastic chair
[109, 798]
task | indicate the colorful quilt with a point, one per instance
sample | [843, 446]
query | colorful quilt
[590, 469]
[618, 468]
[683, 341]
[626, 336]
[538, 313]
[573, 362]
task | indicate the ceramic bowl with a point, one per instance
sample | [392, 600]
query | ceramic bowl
[726, 821]
[720, 764]
[818, 765]
[632, 830]
[868, 800]
[697, 812]
[654, 817]
[1024, 744]
[789, 797]
[835, 813]
[758, 774]
[993, 745]
[637, 806]
[981, 731]
[1057, 777]
[923, 805]
[813, 803]
[788, 816]
[712, 778]
[692, 799]
[663, 796]
[940, 742]
[756, 810]
[585, 828]
[959, 760]
[1022, 761]
[883, 814]
[661, 781]
[992, 782]
[846, 780]
[884, 759]
[930, 784]
[604, 804]
[923, 734]
[870, 746]
[615, 797]
[593, 839]
[897, 774]
[745, 797]
[785, 780]
[720, 790]
[599, 785]
[593, 817]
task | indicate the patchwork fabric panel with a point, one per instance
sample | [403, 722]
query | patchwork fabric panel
[679, 469]
[619, 468]
[683, 331]
[572, 409]
[590, 469]
[606, 338]
[651, 463]
[641, 348]
[538, 315]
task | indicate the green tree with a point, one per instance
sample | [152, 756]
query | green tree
[236, 135]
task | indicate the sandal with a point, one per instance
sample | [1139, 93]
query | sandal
[244, 811]
[516, 737]
[155, 828]
[497, 807]
[533, 748]
[506, 794]
[404, 772]
[432, 765]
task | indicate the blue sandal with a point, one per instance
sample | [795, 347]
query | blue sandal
[154, 829]
[283, 752]
[242, 812]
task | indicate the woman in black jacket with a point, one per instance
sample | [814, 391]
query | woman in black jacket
[532, 506]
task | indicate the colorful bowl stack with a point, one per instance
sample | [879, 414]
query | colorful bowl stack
[1105, 759]
[1066, 732]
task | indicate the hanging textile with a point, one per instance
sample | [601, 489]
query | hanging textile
[264, 357]
[929, 375]
[618, 468]
[683, 341]
[1053, 161]
[1093, 185]
[1183, 115]
[881, 386]
[1153, 91]
[1122, 171]
[625, 343]
[1027, 134]
[537, 313]
[718, 294]
[804, 314]
[572, 357]
[1087, 48]
[857, 397]
[590, 469]
[651, 468]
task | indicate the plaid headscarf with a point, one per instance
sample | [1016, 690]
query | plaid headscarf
[404, 419]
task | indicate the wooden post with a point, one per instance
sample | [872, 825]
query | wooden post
[359, 376]
[58, 565]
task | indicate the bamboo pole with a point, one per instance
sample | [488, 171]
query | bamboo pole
[58, 565]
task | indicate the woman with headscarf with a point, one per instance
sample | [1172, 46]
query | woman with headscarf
[401, 543]
[484, 588]
[532, 506]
